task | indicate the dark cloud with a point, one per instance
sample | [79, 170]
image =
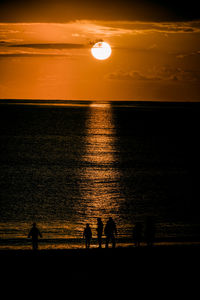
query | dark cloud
[65, 10]
[91, 43]
[192, 53]
[29, 55]
[49, 46]
[131, 75]
[165, 73]
[162, 27]
[42, 46]
[178, 74]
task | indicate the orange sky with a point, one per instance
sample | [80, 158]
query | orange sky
[150, 60]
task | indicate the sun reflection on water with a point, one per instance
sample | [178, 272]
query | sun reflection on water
[100, 176]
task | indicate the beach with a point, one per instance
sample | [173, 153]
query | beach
[158, 272]
[128, 265]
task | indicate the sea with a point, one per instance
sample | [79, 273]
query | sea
[64, 164]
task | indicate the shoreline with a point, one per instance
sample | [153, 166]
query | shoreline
[119, 251]
[25, 244]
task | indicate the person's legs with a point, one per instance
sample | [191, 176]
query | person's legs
[113, 241]
[35, 244]
[99, 241]
[107, 241]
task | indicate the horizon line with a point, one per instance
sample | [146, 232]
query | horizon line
[94, 100]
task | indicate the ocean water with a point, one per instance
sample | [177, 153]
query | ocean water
[65, 163]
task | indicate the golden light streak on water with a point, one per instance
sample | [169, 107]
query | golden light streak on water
[100, 176]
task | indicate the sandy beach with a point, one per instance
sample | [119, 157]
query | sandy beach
[128, 265]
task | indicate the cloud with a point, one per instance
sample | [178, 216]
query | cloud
[91, 43]
[9, 49]
[178, 74]
[165, 73]
[49, 46]
[29, 55]
[193, 53]
[131, 75]
[77, 34]
[138, 27]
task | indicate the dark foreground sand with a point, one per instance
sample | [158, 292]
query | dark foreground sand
[131, 268]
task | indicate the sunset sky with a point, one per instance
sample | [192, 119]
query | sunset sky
[45, 50]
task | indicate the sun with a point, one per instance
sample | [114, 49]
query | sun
[101, 50]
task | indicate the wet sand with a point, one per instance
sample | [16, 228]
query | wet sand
[159, 265]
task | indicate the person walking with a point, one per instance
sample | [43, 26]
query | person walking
[110, 232]
[87, 235]
[99, 231]
[34, 233]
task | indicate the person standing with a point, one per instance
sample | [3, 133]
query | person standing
[87, 234]
[99, 231]
[34, 233]
[110, 232]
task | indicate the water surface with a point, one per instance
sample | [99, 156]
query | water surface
[65, 164]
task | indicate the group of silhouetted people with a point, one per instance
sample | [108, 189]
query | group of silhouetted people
[110, 232]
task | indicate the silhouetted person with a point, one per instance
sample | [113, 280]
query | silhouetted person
[99, 231]
[149, 233]
[87, 234]
[34, 234]
[110, 232]
[137, 234]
